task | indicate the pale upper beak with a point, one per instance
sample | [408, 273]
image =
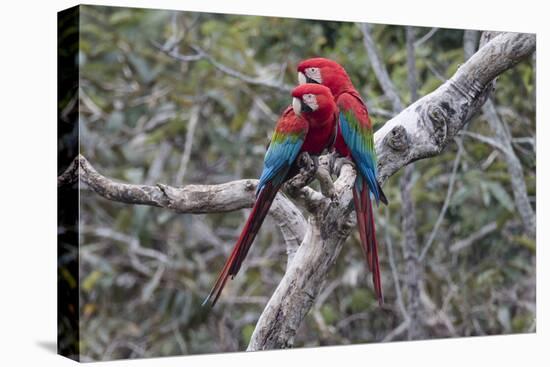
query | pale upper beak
[301, 78]
[296, 106]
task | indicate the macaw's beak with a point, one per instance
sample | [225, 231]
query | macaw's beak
[297, 106]
[300, 106]
[302, 79]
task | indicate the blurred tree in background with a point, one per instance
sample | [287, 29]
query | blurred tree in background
[154, 108]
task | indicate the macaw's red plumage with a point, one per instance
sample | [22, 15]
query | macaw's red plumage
[355, 140]
[308, 125]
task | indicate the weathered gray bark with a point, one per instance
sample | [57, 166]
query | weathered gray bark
[194, 199]
[420, 131]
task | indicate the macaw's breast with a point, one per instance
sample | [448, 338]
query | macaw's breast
[319, 138]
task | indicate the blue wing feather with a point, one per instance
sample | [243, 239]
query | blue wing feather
[363, 155]
[280, 156]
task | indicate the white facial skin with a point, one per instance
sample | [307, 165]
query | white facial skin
[309, 99]
[313, 73]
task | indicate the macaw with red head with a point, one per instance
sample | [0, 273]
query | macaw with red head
[309, 125]
[355, 140]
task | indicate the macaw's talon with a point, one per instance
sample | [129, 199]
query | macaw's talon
[308, 166]
[293, 186]
[305, 162]
[325, 182]
[332, 157]
[339, 163]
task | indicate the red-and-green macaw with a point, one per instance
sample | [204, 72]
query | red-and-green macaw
[308, 125]
[355, 140]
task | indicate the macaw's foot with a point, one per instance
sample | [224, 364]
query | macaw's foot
[325, 182]
[307, 166]
[339, 163]
[332, 157]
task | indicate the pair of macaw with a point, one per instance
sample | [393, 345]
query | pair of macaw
[326, 112]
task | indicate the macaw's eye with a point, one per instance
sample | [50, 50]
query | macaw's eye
[311, 101]
[314, 75]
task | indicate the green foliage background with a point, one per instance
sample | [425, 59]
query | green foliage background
[134, 111]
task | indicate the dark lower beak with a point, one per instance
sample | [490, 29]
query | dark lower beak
[304, 107]
[309, 80]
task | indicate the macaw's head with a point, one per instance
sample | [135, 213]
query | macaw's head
[326, 72]
[314, 102]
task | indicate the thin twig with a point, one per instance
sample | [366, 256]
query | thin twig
[379, 69]
[425, 37]
[503, 138]
[397, 331]
[408, 210]
[201, 54]
[474, 237]
[486, 139]
[393, 267]
[191, 126]
[445, 205]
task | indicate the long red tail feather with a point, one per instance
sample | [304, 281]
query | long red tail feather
[367, 233]
[240, 250]
[359, 211]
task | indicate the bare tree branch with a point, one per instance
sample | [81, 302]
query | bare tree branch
[474, 237]
[397, 331]
[471, 39]
[201, 54]
[517, 178]
[485, 139]
[193, 120]
[425, 37]
[443, 210]
[408, 211]
[155, 170]
[198, 199]
[381, 73]
[394, 273]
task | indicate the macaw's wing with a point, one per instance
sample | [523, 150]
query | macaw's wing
[283, 150]
[357, 132]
